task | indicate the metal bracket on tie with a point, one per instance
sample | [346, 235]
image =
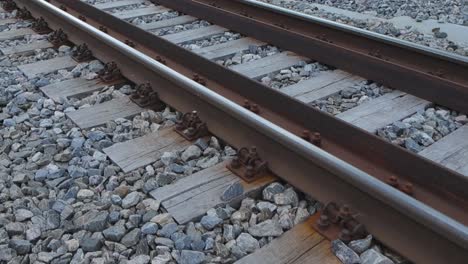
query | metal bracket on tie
[338, 221]
[252, 107]
[191, 126]
[40, 26]
[406, 187]
[376, 53]
[314, 138]
[439, 73]
[9, 5]
[248, 165]
[82, 53]
[58, 38]
[199, 79]
[103, 29]
[146, 97]
[110, 72]
[24, 14]
[161, 60]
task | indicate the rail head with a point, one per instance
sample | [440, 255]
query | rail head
[452, 231]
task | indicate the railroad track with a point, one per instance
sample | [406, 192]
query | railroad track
[436, 215]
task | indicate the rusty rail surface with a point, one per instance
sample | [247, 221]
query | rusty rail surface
[431, 74]
[383, 210]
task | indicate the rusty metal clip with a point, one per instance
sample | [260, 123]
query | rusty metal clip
[161, 60]
[376, 53]
[24, 13]
[214, 4]
[110, 72]
[191, 126]
[58, 38]
[40, 26]
[64, 8]
[82, 53]
[393, 181]
[407, 188]
[130, 43]
[248, 165]
[82, 18]
[199, 79]
[103, 29]
[145, 96]
[281, 25]
[338, 221]
[439, 73]
[315, 138]
[323, 37]
[244, 13]
[252, 107]
[9, 5]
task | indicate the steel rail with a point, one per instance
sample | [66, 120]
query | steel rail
[434, 184]
[384, 211]
[436, 76]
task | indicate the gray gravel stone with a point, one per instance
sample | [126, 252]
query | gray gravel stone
[182, 242]
[131, 199]
[141, 259]
[232, 191]
[372, 256]
[33, 234]
[52, 219]
[97, 222]
[165, 178]
[247, 243]
[14, 229]
[96, 135]
[6, 254]
[22, 247]
[191, 257]
[167, 230]
[168, 158]
[89, 244]
[164, 241]
[210, 222]
[131, 238]
[288, 197]
[344, 253]
[266, 229]
[271, 190]
[84, 194]
[114, 233]
[192, 152]
[361, 245]
[23, 214]
[149, 228]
